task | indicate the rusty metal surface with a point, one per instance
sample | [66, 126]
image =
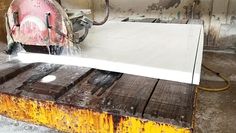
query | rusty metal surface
[70, 119]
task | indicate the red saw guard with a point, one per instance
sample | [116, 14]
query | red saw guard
[39, 22]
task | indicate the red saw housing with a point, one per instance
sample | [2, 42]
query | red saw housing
[39, 22]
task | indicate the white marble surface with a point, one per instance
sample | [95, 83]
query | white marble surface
[164, 51]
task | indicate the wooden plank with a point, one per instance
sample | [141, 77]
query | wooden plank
[103, 81]
[171, 102]
[121, 95]
[14, 85]
[145, 49]
[90, 92]
[10, 69]
[66, 77]
[129, 95]
[126, 96]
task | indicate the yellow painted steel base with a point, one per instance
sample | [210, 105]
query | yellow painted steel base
[71, 119]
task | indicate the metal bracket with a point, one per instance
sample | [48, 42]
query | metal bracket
[16, 18]
[47, 20]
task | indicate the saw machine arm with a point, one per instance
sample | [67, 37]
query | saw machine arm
[45, 27]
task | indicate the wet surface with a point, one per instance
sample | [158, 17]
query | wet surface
[216, 112]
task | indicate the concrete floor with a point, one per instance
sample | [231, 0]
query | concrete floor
[12, 126]
[216, 112]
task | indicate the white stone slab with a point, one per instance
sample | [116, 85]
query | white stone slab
[164, 51]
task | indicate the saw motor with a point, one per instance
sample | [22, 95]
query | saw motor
[44, 26]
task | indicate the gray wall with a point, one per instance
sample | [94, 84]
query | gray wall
[218, 15]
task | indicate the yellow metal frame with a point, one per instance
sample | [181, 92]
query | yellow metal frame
[71, 119]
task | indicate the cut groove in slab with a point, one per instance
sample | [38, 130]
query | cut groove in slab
[163, 51]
